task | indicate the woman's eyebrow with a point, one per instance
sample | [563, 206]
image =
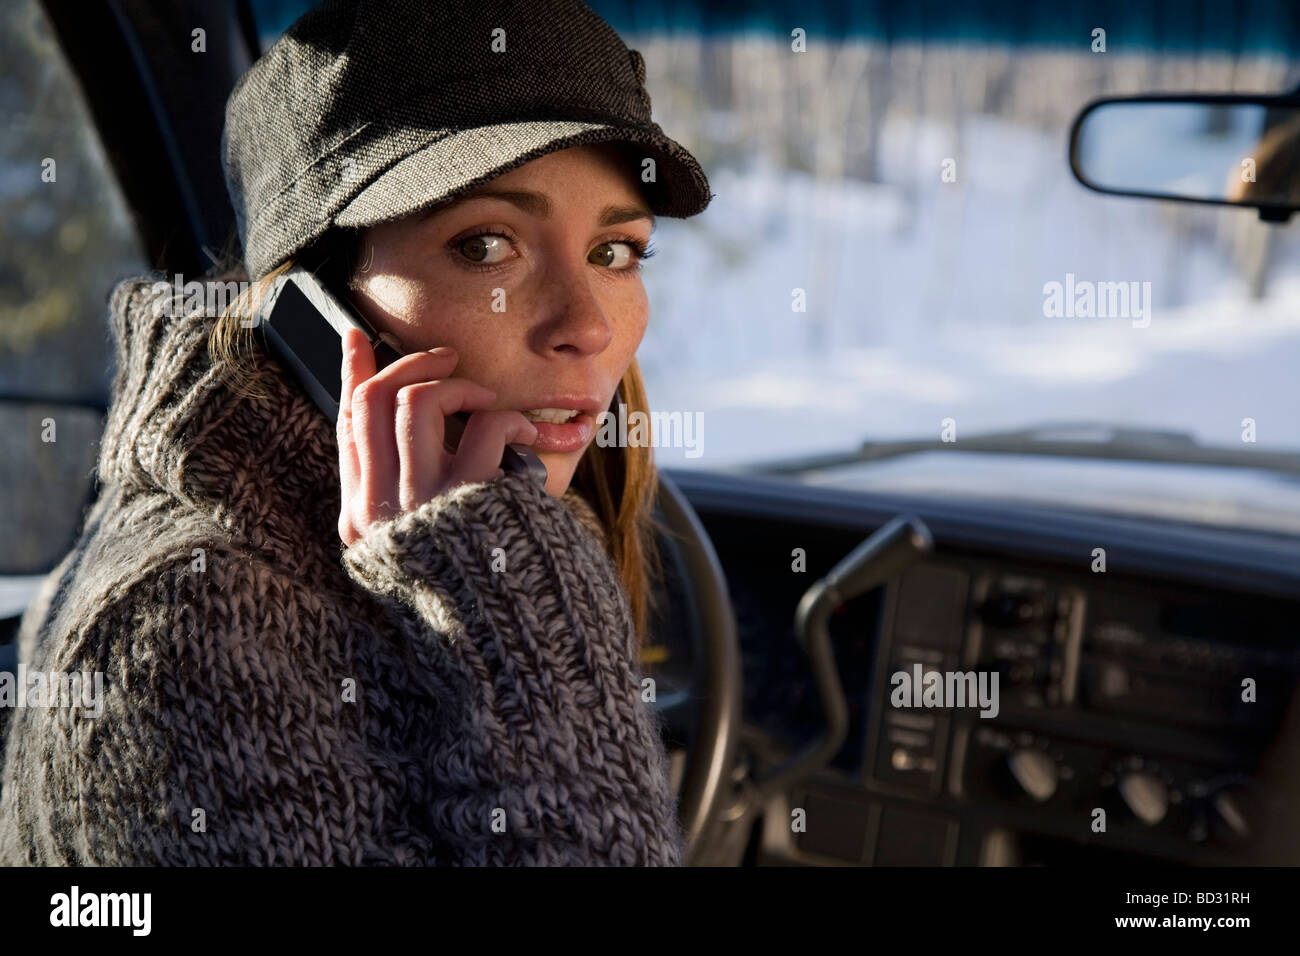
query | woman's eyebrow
[613, 215]
[539, 205]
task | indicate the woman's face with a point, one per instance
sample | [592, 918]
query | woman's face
[533, 279]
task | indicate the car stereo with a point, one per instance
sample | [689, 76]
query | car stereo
[1131, 724]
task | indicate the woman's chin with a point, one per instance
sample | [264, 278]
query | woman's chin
[559, 471]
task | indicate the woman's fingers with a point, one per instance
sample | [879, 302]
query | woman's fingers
[424, 466]
[374, 410]
[478, 458]
[358, 365]
[391, 430]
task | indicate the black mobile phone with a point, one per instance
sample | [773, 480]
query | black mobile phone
[303, 323]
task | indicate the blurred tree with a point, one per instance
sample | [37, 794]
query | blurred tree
[67, 236]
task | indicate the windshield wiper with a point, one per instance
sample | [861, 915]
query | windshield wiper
[1063, 440]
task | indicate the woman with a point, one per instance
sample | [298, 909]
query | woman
[342, 644]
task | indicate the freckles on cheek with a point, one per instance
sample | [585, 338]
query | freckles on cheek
[473, 300]
[404, 299]
[459, 314]
[430, 311]
[640, 312]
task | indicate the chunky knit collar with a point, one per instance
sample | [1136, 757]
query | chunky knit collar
[266, 470]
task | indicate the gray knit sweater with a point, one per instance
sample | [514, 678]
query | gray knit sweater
[459, 688]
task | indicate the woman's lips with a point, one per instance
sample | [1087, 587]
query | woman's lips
[571, 436]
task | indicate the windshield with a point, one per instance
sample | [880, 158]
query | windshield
[897, 243]
[929, 304]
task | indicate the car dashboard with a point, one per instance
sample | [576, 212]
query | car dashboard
[1143, 671]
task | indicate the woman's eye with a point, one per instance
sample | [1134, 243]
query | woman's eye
[614, 255]
[485, 249]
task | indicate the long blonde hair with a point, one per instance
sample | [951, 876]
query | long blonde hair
[619, 483]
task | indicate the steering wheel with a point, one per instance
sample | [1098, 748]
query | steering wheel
[701, 710]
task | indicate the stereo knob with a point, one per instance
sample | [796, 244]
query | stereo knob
[1145, 794]
[1034, 771]
[1230, 816]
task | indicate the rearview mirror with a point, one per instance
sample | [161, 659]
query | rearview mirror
[1237, 150]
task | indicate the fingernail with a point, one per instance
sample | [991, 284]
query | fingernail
[443, 350]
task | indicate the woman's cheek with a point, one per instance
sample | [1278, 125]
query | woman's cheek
[448, 313]
[638, 309]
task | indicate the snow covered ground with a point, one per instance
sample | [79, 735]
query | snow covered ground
[925, 302]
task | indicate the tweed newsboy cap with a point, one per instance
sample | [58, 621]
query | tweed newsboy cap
[366, 111]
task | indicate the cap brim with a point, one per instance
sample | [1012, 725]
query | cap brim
[464, 159]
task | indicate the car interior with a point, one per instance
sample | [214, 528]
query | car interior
[1146, 655]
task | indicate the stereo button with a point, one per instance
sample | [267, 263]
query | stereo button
[1145, 794]
[1035, 771]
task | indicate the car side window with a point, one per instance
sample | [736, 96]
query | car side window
[68, 238]
[68, 233]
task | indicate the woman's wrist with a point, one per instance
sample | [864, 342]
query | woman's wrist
[504, 543]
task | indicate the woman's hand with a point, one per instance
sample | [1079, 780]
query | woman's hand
[391, 429]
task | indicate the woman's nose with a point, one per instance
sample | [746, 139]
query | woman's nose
[574, 321]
